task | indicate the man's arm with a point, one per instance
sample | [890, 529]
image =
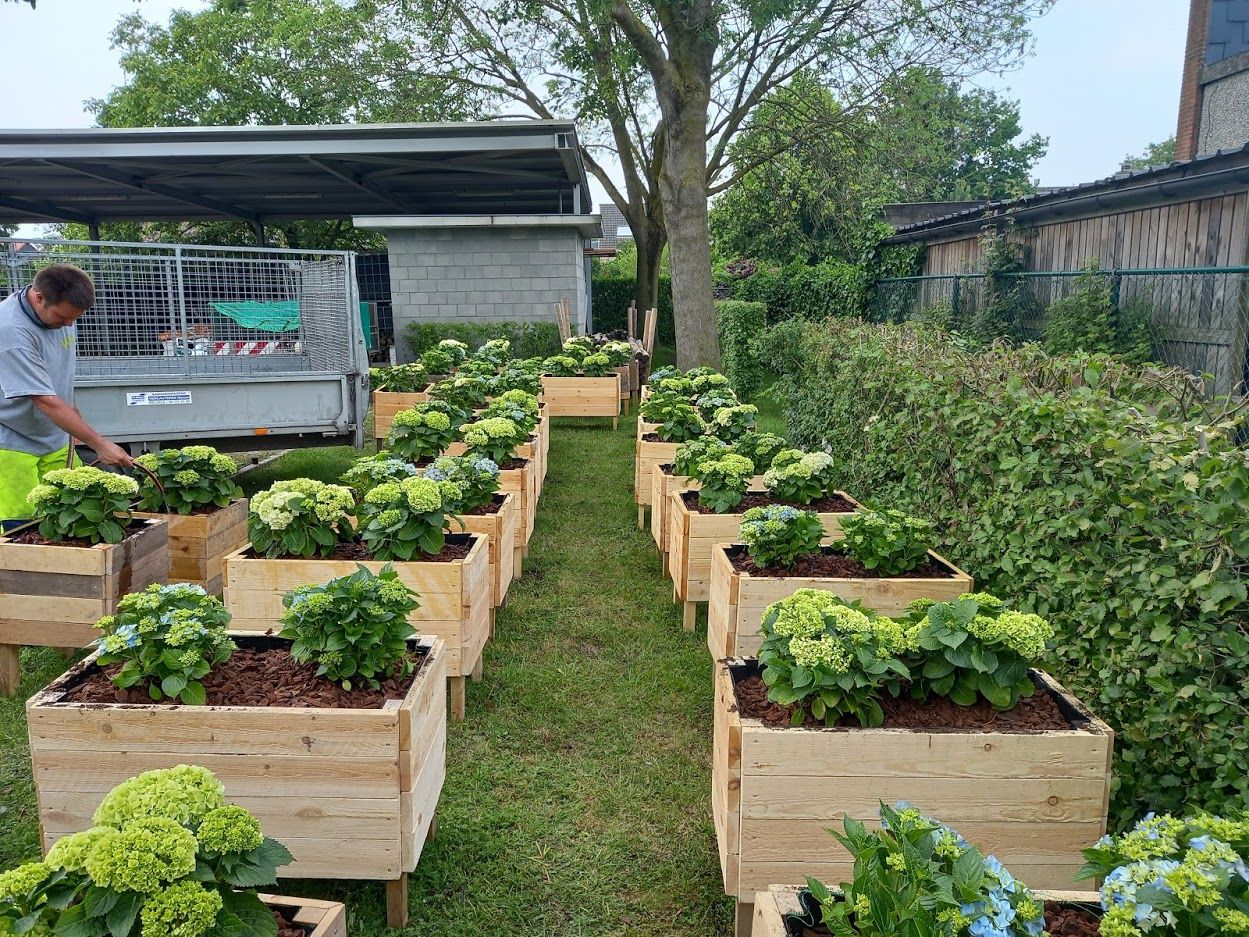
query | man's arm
[68, 419]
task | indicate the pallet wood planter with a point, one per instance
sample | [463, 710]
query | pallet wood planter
[455, 599]
[388, 403]
[583, 396]
[1033, 799]
[52, 595]
[531, 450]
[773, 904]
[499, 529]
[351, 792]
[691, 535]
[738, 599]
[626, 388]
[522, 482]
[663, 484]
[648, 454]
[199, 543]
[324, 918]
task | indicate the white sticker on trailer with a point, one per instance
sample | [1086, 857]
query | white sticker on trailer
[153, 398]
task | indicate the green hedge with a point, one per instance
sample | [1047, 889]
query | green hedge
[796, 290]
[611, 298]
[739, 324]
[1082, 489]
[529, 339]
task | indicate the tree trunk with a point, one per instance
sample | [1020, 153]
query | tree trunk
[683, 185]
[650, 245]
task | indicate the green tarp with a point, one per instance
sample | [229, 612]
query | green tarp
[280, 316]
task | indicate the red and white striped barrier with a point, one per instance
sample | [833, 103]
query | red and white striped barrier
[249, 348]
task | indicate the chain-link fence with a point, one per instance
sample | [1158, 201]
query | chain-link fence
[189, 310]
[1194, 318]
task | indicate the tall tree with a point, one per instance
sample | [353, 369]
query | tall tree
[245, 62]
[1156, 154]
[671, 83]
[924, 139]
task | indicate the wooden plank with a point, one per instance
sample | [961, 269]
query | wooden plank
[74, 561]
[419, 805]
[582, 396]
[647, 456]
[757, 875]
[66, 585]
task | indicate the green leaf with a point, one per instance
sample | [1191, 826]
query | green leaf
[120, 919]
[99, 901]
[173, 685]
[253, 914]
[193, 694]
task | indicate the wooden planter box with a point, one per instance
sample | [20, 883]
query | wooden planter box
[1033, 799]
[52, 596]
[326, 918]
[455, 599]
[499, 529]
[647, 456]
[351, 792]
[583, 396]
[386, 403]
[199, 543]
[522, 482]
[738, 600]
[662, 485]
[544, 436]
[773, 904]
[530, 449]
[691, 535]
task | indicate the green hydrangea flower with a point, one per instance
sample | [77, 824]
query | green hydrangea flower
[20, 882]
[229, 829]
[184, 909]
[144, 856]
[422, 494]
[185, 794]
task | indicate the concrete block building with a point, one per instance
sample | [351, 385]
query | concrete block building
[1214, 98]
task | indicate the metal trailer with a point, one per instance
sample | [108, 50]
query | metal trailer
[243, 348]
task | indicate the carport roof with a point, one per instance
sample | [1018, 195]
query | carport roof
[262, 174]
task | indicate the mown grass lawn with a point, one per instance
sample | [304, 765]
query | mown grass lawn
[577, 799]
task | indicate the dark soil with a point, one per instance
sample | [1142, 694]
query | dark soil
[833, 504]
[34, 538]
[260, 673]
[457, 547]
[830, 564]
[286, 926]
[513, 464]
[1071, 921]
[490, 507]
[1033, 714]
[652, 437]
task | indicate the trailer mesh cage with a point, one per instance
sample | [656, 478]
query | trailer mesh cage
[181, 310]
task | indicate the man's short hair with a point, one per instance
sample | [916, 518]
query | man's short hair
[65, 283]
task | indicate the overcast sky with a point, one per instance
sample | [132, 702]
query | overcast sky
[1104, 81]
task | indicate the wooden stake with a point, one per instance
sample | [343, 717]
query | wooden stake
[397, 902]
[632, 318]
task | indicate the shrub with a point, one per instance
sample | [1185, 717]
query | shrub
[456, 349]
[83, 503]
[974, 647]
[610, 298]
[677, 420]
[916, 877]
[423, 431]
[814, 291]
[398, 520]
[888, 541]
[354, 628]
[708, 380]
[829, 658]
[367, 472]
[527, 338]
[193, 477]
[691, 454]
[714, 400]
[619, 353]
[437, 361]
[733, 422]
[496, 352]
[1107, 498]
[477, 479]
[777, 535]
[1169, 875]
[724, 481]
[561, 365]
[521, 407]
[667, 371]
[166, 638]
[738, 324]
[596, 364]
[464, 392]
[151, 875]
[760, 448]
[401, 378]
[1087, 320]
[800, 477]
[515, 377]
[300, 517]
[494, 438]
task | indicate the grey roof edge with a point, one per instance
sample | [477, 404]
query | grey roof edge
[267, 131]
[1178, 175]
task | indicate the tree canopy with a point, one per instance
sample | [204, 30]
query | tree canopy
[1155, 154]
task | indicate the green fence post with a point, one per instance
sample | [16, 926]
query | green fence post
[954, 299]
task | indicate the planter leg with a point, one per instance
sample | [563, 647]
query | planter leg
[667, 571]
[615, 423]
[641, 516]
[518, 563]
[457, 699]
[688, 615]
[10, 668]
[493, 614]
[476, 674]
[397, 902]
[745, 919]
[432, 833]
[67, 651]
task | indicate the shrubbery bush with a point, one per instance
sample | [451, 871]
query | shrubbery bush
[739, 324]
[798, 290]
[611, 296]
[529, 339]
[1106, 497]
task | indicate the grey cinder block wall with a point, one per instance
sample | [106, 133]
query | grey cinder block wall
[487, 274]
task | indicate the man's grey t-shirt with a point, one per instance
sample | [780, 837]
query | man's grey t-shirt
[34, 361]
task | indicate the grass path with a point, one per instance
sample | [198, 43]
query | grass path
[577, 799]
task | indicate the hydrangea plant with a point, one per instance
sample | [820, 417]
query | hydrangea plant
[800, 477]
[518, 406]
[677, 420]
[455, 349]
[354, 628]
[368, 472]
[596, 364]
[465, 392]
[423, 431]
[729, 423]
[724, 481]
[888, 541]
[167, 857]
[915, 876]
[166, 638]
[478, 368]
[691, 454]
[1169, 875]
[713, 400]
[516, 377]
[676, 386]
[777, 535]
[496, 352]
[437, 361]
[759, 448]
[400, 378]
[193, 477]
[476, 478]
[831, 658]
[83, 503]
[667, 371]
[974, 647]
[579, 346]
[300, 517]
[705, 381]
[619, 353]
[399, 520]
[494, 438]
[561, 366]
